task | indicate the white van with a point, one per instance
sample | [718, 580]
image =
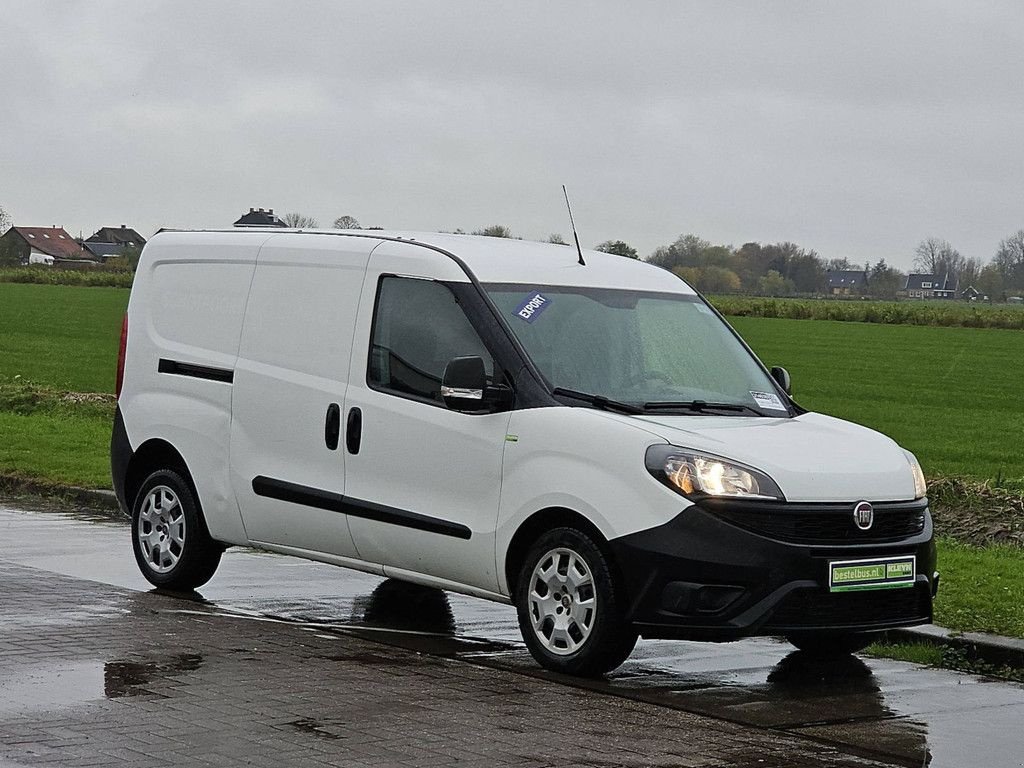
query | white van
[591, 442]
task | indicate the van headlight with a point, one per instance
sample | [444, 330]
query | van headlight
[920, 487]
[700, 475]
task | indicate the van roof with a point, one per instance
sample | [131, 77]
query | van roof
[505, 260]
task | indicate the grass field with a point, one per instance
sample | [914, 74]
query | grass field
[61, 336]
[950, 395]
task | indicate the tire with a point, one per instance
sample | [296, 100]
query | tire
[172, 546]
[825, 644]
[585, 633]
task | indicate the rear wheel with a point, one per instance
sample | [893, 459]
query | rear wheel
[172, 546]
[571, 608]
[832, 644]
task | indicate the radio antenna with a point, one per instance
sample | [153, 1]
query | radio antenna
[573, 224]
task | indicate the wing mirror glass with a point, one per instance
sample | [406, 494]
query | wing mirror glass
[781, 376]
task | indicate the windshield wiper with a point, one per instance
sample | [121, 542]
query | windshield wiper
[702, 406]
[598, 401]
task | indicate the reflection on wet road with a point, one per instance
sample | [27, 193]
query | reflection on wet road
[899, 713]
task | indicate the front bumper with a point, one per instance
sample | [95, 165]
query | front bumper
[706, 576]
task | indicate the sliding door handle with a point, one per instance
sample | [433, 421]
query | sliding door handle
[332, 426]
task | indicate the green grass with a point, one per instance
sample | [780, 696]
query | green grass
[950, 395]
[982, 588]
[64, 337]
[928, 654]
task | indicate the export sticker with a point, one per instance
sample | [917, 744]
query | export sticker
[531, 308]
[768, 400]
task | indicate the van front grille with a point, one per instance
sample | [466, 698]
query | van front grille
[822, 523]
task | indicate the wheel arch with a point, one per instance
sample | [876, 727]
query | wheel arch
[535, 525]
[152, 455]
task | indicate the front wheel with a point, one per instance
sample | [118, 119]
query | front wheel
[571, 607]
[172, 546]
[832, 644]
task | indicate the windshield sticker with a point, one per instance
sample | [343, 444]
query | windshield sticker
[768, 400]
[531, 308]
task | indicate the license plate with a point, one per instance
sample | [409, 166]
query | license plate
[873, 573]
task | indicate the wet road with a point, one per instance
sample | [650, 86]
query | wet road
[899, 713]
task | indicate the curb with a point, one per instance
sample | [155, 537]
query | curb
[86, 497]
[994, 650]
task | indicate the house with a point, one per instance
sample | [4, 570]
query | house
[847, 282]
[42, 245]
[931, 286]
[126, 237]
[257, 217]
[970, 293]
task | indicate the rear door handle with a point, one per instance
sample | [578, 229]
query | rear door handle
[332, 426]
[354, 430]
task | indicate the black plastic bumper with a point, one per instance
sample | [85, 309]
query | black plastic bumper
[700, 577]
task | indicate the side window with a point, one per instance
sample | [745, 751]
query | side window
[418, 327]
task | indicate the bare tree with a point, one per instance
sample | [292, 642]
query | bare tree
[5, 220]
[346, 222]
[300, 221]
[1009, 259]
[935, 256]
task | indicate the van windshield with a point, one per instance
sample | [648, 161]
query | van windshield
[659, 352]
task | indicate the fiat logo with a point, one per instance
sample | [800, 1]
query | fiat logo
[863, 515]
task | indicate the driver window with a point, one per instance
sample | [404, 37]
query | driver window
[418, 327]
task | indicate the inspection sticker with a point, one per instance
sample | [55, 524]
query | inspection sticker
[531, 307]
[768, 400]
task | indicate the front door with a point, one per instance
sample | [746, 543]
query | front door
[424, 481]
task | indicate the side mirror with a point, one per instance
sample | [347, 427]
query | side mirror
[462, 386]
[781, 376]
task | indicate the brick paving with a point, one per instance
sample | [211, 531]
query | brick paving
[93, 675]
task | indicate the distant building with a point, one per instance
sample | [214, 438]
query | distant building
[970, 293]
[257, 217]
[123, 236]
[847, 282]
[111, 242]
[42, 245]
[931, 286]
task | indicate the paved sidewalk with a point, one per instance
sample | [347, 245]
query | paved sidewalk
[95, 675]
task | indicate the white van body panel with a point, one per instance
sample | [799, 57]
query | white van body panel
[586, 461]
[504, 260]
[186, 305]
[420, 457]
[293, 363]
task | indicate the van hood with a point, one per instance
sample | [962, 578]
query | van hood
[811, 457]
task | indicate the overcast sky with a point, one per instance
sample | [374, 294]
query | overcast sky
[856, 129]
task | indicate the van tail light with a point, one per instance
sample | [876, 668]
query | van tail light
[120, 356]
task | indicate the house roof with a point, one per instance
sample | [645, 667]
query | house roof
[103, 250]
[947, 282]
[53, 241]
[847, 278]
[257, 217]
[122, 235]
